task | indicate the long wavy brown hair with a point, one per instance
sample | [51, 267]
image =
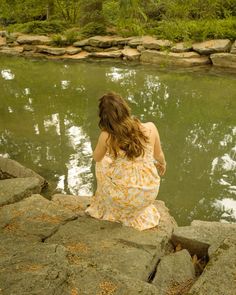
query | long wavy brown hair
[124, 130]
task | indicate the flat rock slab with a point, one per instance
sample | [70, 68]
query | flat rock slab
[165, 58]
[16, 189]
[218, 277]
[90, 280]
[28, 268]
[16, 50]
[175, 272]
[212, 46]
[2, 41]
[131, 54]
[79, 56]
[233, 48]
[50, 50]
[107, 54]
[77, 204]
[12, 169]
[106, 41]
[72, 50]
[198, 237]
[157, 44]
[33, 40]
[110, 244]
[181, 47]
[137, 41]
[227, 60]
[33, 217]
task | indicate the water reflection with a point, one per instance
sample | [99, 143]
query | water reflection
[49, 123]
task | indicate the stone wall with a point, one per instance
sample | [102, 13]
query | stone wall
[146, 49]
[51, 247]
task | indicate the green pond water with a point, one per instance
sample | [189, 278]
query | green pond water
[48, 122]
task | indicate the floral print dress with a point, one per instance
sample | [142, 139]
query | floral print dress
[126, 190]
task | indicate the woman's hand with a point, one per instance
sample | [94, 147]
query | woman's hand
[161, 167]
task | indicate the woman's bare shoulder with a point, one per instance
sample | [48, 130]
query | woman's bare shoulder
[149, 125]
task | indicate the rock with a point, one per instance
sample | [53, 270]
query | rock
[131, 54]
[101, 41]
[50, 50]
[12, 37]
[107, 54]
[198, 237]
[79, 56]
[181, 47]
[140, 48]
[212, 46]
[90, 48]
[16, 189]
[175, 272]
[157, 44]
[33, 217]
[29, 267]
[76, 204]
[185, 59]
[81, 43]
[218, 277]
[227, 60]
[89, 279]
[27, 47]
[2, 41]
[12, 169]
[104, 243]
[34, 40]
[3, 33]
[17, 50]
[72, 50]
[233, 48]
[137, 41]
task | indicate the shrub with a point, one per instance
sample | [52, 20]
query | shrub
[198, 30]
[92, 29]
[39, 27]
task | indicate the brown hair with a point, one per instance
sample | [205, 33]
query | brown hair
[124, 131]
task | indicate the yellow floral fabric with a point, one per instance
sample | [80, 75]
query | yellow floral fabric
[126, 190]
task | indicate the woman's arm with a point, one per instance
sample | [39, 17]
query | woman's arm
[101, 147]
[158, 153]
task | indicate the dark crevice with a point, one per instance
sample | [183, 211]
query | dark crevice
[153, 272]
[57, 228]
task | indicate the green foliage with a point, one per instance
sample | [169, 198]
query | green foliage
[184, 30]
[93, 29]
[39, 27]
[68, 9]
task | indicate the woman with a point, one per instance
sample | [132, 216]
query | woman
[127, 178]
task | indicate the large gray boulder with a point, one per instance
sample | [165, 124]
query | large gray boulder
[34, 217]
[30, 268]
[212, 46]
[175, 272]
[33, 40]
[12, 169]
[218, 277]
[110, 244]
[16, 189]
[227, 60]
[165, 58]
[202, 235]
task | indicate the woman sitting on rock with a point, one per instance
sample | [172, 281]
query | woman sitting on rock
[128, 154]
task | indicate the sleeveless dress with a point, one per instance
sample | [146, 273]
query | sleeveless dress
[126, 190]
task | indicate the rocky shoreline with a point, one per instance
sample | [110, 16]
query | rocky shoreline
[219, 53]
[52, 247]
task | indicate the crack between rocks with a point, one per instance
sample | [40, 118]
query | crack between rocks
[57, 228]
[136, 245]
[153, 272]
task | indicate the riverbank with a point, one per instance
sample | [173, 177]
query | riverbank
[218, 53]
[49, 246]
